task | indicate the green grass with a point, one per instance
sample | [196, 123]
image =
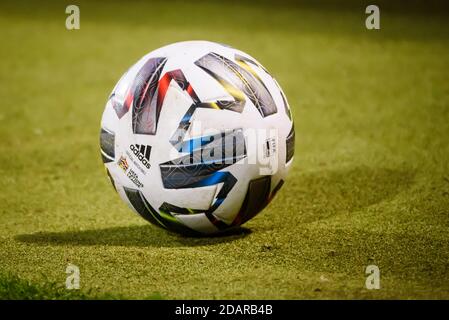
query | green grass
[370, 182]
[14, 288]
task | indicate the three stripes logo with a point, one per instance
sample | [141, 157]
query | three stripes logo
[142, 152]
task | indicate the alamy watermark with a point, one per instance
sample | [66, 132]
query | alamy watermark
[372, 22]
[73, 277]
[373, 278]
[217, 147]
[72, 22]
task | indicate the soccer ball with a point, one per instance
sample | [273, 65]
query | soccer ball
[197, 137]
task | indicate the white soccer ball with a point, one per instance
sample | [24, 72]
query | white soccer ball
[197, 137]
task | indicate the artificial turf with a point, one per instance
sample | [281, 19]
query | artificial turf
[369, 184]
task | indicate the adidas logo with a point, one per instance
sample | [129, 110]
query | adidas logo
[142, 153]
